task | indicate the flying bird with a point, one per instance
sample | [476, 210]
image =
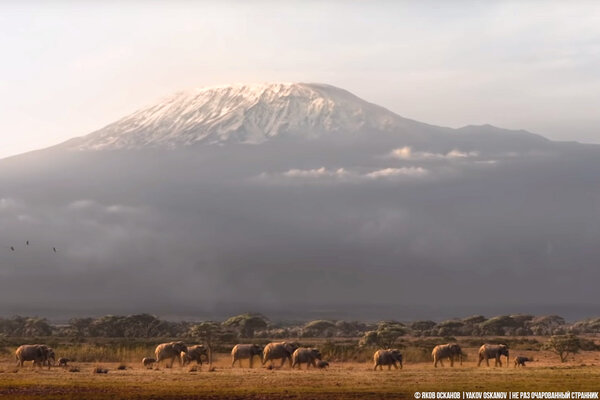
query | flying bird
[12, 248]
[27, 243]
[54, 248]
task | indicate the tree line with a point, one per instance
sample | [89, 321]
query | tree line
[253, 325]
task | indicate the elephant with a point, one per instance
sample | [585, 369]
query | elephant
[170, 351]
[322, 364]
[387, 357]
[520, 361]
[194, 353]
[449, 351]
[148, 362]
[279, 350]
[51, 356]
[305, 355]
[245, 351]
[488, 351]
[40, 354]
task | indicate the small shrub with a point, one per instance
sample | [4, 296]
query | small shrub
[73, 369]
[122, 367]
[100, 370]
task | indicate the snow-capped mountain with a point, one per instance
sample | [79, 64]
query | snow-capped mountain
[243, 113]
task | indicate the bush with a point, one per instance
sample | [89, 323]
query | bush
[563, 345]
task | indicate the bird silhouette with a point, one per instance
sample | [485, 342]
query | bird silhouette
[27, 243]
[54, 248]
[12, 248]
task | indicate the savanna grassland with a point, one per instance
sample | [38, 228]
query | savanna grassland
[345, 379]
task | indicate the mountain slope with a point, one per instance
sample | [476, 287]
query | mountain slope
[243, 114]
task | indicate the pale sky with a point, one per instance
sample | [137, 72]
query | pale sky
[69, 68]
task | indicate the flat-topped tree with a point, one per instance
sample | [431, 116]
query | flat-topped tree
[248, 323]
[211, 333]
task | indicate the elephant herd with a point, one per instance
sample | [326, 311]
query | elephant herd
[42, 355]
[295, 355]
[452, 351]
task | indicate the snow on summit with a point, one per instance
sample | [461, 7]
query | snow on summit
[242, 113]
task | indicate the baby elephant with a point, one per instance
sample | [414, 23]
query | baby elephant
[148, 362]
[63, 362]
[322, 364]
[520, 361]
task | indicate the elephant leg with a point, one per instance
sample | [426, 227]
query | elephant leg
[375, 368]
[441, 362]
[480, 360]
[487, 361]
[283, 362]
[395, 365]
[233, 363]
[250, 361]
[452, 361]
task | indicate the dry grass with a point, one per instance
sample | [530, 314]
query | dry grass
[343, 380]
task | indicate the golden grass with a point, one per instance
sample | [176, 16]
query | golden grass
[351, 380]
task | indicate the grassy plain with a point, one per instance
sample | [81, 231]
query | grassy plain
[343, 380]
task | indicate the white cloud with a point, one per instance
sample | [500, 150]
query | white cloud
[339, 175]
[80, 204]
[396, 172]
[406, 153]
[7, 203]
[314, 173]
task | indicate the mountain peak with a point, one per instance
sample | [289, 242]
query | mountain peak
[242, 113]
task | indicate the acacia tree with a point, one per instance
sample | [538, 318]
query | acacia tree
[387, 333]
[248, 323]
[210, 333]
[318, 328]
[563, 345]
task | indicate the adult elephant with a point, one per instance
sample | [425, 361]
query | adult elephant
[245, 351]
[494, 351]
[305, 355]
[50, 357]
[449, 351]
[279, 350]
[194, 353]
[38, 353]
[170, 351]
[387, 357]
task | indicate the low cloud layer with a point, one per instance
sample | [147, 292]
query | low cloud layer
[304, 231]
[342, 175]
[407, 153]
